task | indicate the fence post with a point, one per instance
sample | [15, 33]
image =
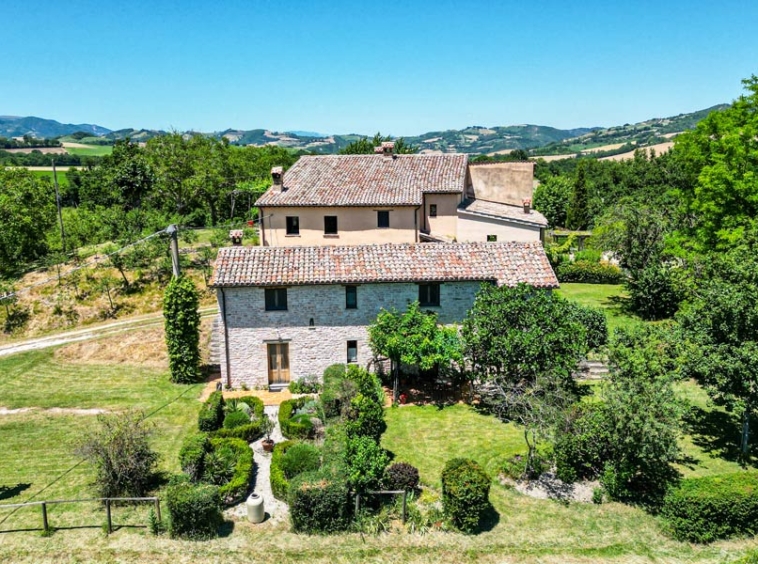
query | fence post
[45, 524]
[405, 505]
[108, 515]
[158, 509]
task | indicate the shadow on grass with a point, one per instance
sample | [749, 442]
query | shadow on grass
[489, 520]
[7, 492]
[716, 432]
[227, 528]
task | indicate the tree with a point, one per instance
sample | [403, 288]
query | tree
[720, 157]
[551, 199]
[578, 216]
[365, 146]
[120, 451]
[720, 326]
[523, 344]
[413, 338]
[180, 310]
[27, 211]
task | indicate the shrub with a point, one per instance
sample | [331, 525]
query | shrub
[365, 418]
[182, 325]
[594, 321]
[465, 493]
[120, 451]
[652, 293]
[401, 476]
[368, 384]
[294, 428]
[714, 507]
[307, 385]
[194, 510]
[192, 456]
[319, 504]
[255, 403]
[302, 457]
[235, 419]
[333, 393]
[249, 432]
[583, 445]
[219, 465]
[211, 414]
[366, 461]
[235, 487]
[588, 255]
[589, 272]
[279, 483]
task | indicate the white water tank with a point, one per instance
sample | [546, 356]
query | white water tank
[255, 511]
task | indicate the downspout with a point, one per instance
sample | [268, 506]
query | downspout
[415, 222]
[226, 339]
[263, 229]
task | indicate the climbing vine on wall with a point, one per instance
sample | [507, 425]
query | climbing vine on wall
[180, 310]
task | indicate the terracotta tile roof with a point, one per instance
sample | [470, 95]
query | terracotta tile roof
[507, 263]
[502, 211]
[367, 180]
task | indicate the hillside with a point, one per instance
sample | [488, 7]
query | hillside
[539, 140]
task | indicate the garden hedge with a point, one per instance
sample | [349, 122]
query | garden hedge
[465, 493]
[236, 488]
[211, 415]
[319, 504]
[279, 483]
[711, 508]
[194, 510]
[589, 272]
[255, 403]
[192, 455]
[294, 429]
[248, 433]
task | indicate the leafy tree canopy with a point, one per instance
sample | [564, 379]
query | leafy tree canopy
[365, 146]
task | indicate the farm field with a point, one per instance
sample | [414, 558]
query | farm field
[88, 150]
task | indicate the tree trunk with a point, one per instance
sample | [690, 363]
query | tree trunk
[395, 381]
[745, 433]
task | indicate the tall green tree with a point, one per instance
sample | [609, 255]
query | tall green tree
[578, 216]
[551, 199]
[365, 146]
[182, 325]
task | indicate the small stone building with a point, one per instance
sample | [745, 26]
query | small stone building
[290, 312]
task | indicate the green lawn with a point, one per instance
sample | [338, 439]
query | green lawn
[62, 178]
[93, 151]
[604, 296]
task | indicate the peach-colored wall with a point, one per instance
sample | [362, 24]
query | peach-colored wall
[445, 224]
[355, 226]
[473, 228]
[507, 183]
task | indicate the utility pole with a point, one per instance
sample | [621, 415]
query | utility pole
[173, 232]
[58, 203]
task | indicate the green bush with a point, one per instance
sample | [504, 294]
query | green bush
[307, 385]
[234, 419]
[292, 427]
[367, 383]
[302, 457]
[255, 403]
[366, 462]
[239, 482]
[582, 445]
[279, 483]
[332, 395]
[365, 418]
[653, 294]
[249, 432]
[182, 327]
[401, 476]
[211, 414]
[589, 272]
[219, 465]
[192, 455]
[588, 255]
[465, 493]
[194, 510]
[711, 508]
[594, 321]
[319, 504]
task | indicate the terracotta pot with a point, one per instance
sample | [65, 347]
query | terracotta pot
[268, 445]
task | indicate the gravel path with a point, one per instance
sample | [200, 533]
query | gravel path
[276, 511]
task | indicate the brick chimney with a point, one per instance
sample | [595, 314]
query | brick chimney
[236, 236]
[387, 148]
[527, 205]
[277, 176]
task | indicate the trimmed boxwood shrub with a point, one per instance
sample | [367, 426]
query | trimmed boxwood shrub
[211, 414]
[302, 457]
[192, 455]
[465, 493]
[366, 462]
[255, 403]
[319, 504]
[589, 272]
[194, 510]
[239, 483]
[714, 507]
[401, 476]
[249, 432]
[234, 419]
[365, 418]
[332, 394]
[294, 428]
[279, 483]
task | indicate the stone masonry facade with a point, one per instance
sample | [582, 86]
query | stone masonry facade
[313, 348]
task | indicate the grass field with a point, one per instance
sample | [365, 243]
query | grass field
[605, 296]
[62, 178]
[93, 151]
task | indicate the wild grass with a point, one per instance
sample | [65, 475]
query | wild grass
[608, 297]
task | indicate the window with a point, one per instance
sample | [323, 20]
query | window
[351, 297]
[429, 294]
[352, 351]
[276, 299]
[330, 225]
[293, 225]
[492, 238]
[383, 219]
[432, 210]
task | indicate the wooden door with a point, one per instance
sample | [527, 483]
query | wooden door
[278, 363]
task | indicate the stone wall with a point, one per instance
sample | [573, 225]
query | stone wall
[312, 349]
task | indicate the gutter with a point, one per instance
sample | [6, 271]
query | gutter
[226, 339]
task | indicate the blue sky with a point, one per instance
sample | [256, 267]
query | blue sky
[399, 67]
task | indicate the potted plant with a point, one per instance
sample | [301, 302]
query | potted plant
[267, 425]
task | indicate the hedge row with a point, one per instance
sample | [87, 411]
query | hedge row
[589, 272]
[194, 510]
[211, 415]
[236, 488]
[465, 493]
[192, 455]
[714, 507]
[249, 432]
[279, 483]
[300, 428]
[319, 504]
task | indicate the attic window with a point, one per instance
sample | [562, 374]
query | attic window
[432, 210]
[383, 219]
[330, 225]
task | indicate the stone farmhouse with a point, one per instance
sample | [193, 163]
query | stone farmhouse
[288, 312]
[389, 198]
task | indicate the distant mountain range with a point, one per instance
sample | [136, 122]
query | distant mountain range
[539, 139]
